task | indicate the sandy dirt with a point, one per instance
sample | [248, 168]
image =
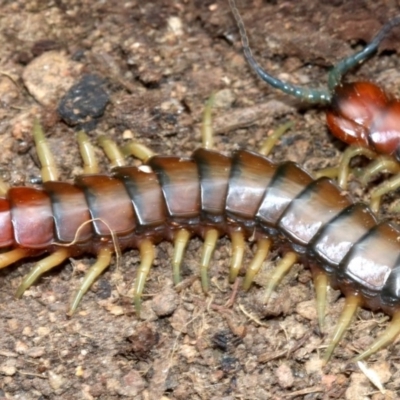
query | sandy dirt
[158, 62]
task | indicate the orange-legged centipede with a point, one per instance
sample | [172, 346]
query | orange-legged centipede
[360, 114]
[208, 195]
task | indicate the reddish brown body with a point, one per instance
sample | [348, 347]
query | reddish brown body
[246, 192]
[362, 114]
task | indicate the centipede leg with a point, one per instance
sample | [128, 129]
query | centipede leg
[210, 241]
[49, 170]
[180, 242]
[279, 272]
[206, 125]
[386, 187]
[381, 165]
[90, 164]
[238, 248]
[147, 255]
[12, 256]
[386, 338]
[137, 150]
[41, 267]
[343, 170]
[350, 307]
[112, 151]
[321, 288]
[263, 246]
[272, 140]
[102, 262]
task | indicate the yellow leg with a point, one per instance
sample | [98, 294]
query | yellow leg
[388, 186]
[350, 307]
[181, 240]
[238, 248]
[321, 287]
[206, 125]
[137, 150]
[12, 256]
[90, 165]
[270, 142]
[147, 255]
[263, 246]
[41, 267]
[49, 169]
[112, 151]
[279, 272]
[386, 338]
[344, 166]
[378, 166]
[210, 242]
[102, 262]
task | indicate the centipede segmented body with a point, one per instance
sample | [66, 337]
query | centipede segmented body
[361, 114]
[208, 195]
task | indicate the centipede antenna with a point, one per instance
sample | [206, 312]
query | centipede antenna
[180, 242]
[316, 96]
[272, 140]
[350, 62]
[210, 241]
[279, 272]
[238, 248]
[113, 152]
[90, 164]
[137, 150]
[102, 262]
[40, 268]
[351, 305]
[321, 288]
[49, 170]
[263, 246]
[390, 185]
[147, 255]
[12, 256]
[391, 332]
[206, 125]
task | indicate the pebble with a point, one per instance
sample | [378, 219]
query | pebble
[165, 303]
[49, 76]
[84, 103]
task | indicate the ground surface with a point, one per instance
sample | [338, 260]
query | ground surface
[160, 61]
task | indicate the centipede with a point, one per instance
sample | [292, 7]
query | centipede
[361, 114]
[244, 196]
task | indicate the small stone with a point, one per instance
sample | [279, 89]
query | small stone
[165, 303]
[84, 103]
[285, 376]
[55, 380]
[49, 76]
[132, 384]
[307, 309]
[8, 370]
[35, 352]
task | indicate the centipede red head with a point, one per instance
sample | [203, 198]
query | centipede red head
[361, 114]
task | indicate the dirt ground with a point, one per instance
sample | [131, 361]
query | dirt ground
[158, 62]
